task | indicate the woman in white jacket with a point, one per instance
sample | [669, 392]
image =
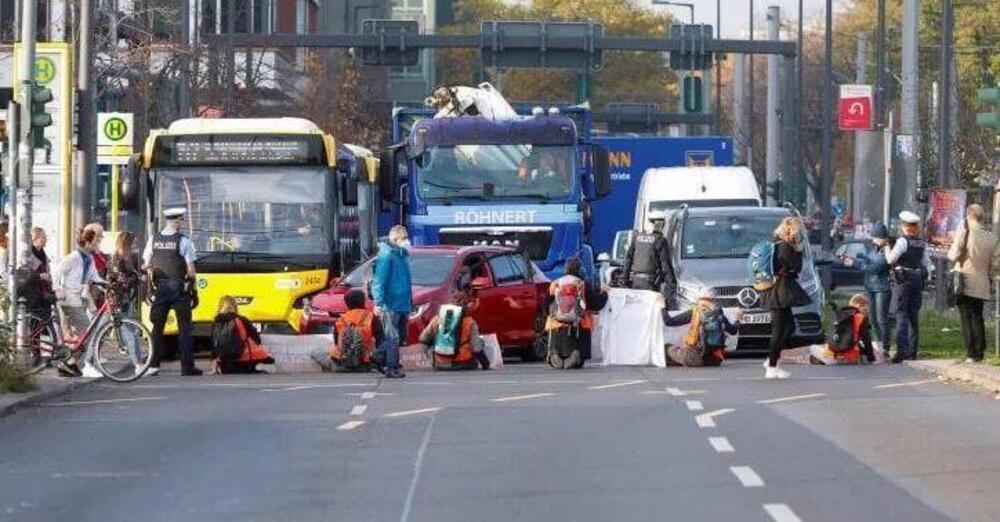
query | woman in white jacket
[72, 281]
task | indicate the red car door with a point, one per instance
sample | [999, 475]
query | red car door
[513, 299]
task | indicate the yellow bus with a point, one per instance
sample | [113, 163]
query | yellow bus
[270, 208]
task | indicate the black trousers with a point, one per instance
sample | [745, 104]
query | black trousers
[973, 328]
[170, 295]
[782, 328]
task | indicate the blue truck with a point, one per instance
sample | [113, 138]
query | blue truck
[527, 183]
[629, 157]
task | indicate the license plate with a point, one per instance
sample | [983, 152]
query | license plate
[763, 318]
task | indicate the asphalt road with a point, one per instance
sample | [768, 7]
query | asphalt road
[524, 444]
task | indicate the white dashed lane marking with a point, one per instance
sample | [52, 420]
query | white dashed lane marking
[694, 405]
[706, 420]
[721, 444]
[617, 385]
[359, 410]
[317, 386]
[367, 396]
[747, 476]
[409, 412]
[792, 398]
[522, 397]
[105, 401]
[903, 384]
[781, 513]
[350, 425]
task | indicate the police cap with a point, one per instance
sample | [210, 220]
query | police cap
[174, 212]
[909, 217]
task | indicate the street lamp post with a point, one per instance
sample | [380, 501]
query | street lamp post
[677, 4]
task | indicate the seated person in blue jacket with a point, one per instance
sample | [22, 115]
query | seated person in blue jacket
[705, 342]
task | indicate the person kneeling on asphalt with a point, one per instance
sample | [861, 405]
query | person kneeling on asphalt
[705, 342]
[357, 333]
[237, 343]
[570, 323]
[452, 336]
[851, 336]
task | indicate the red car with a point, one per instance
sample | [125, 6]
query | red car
[510, 288]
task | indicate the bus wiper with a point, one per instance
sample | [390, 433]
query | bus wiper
[204, 256]
[291, 260]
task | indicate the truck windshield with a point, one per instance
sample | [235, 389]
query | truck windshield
[266, 211]
[725, 236]
[495, 171]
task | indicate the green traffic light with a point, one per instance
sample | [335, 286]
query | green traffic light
[989, 95]
[989, 120]
[39, 117]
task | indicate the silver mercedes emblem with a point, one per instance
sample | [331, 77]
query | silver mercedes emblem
[747, 297]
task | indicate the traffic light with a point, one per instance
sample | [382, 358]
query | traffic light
[989, 120]
[39, 117]
[691, 93]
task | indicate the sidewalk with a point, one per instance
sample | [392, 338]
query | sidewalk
[49, 386]
[982, 375]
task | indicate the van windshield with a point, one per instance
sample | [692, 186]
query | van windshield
[725, 236]
[670, 205]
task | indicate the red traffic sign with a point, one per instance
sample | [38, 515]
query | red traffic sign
[855, 111]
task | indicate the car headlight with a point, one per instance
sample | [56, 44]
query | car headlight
[689, 292]
[419, 310]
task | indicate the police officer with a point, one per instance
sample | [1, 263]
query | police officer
[169, 259]
[908, 259]
[647, 263]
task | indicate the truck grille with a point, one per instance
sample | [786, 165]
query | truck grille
[534, 242]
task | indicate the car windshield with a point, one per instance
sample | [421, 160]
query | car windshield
[256, 210]
[425, 270]
[667, 206]
[725, 236]
[495, 171]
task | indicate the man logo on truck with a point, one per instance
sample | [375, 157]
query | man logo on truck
[488, 217]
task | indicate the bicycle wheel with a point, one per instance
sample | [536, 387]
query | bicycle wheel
[123, 349]
[42, 340]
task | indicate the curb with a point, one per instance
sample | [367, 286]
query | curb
[987, 377]
[57, 389]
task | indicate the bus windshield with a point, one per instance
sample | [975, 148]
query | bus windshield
[253, 210]
[495, 172]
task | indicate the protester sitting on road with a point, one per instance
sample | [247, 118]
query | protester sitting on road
[705, 342]
[237, 343]
[877, 285]
[453, 338]
[974, 252]
[356, 334]
[786, 292]
[71, 281]
[569, 323]
[851, 336]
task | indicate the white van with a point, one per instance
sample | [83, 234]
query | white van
[665, 189]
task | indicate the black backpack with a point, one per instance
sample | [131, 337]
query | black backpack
[844, 338]
[352, 345]
[225, 342]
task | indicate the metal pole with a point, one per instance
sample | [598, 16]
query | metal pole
[86, 146]
[799, 175]
[12, 167]
[773, 131]
[909, 101]
[718, 70]
[944, 97]
[827, 167]
[887, 169]
[740, 108]
[183, 87]
[750, 119]
[230, 103]
[880, 65]
[25, 153]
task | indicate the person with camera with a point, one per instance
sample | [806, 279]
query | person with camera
[169, 259]
[908, 259]
[974, 252]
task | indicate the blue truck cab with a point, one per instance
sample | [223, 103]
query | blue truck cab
[526, 183]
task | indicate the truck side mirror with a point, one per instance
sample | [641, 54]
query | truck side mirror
[348, 191]
[387, 174]
[602, 171]
[129, 183]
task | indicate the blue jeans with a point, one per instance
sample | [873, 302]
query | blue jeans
[878, 317]
[907, 299]
[394, 329]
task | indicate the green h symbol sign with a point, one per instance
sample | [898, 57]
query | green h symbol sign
[115, 129]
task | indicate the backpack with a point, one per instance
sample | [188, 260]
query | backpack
[760, 266]
[449, 328]
[568, 306]
[845, 335]
[225, 341]
[352, 343]
[708, 329]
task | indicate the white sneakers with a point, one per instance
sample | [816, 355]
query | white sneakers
[774, 372]
[151, 371]
[266, 368]
[90, 372]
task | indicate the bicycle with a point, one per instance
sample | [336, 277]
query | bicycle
[122, 346]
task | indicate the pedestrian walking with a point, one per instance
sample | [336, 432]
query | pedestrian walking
[101, 261]
[974, 251]
[908, 257]
[169, 262]
[786, 293]
[71, 282]
[647, 262]
[878, 287]
[570, 322]
[392, 293]
[125, 273]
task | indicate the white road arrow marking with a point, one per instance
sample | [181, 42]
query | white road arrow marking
[706, 420]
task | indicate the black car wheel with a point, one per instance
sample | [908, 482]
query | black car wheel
[539, 349]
